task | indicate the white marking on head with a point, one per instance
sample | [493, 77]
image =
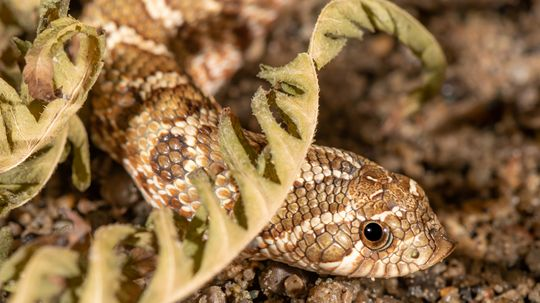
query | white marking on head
[372, 179]
[381, 216]
[380, 191]
[350, 262]
[398, 211]
[413, 189]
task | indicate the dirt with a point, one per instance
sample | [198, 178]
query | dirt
[474, 148]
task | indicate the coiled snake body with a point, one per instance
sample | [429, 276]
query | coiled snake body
[344, 215]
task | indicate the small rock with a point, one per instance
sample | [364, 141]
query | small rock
[85, 206]
[295, 286]
[25, 219]
[330, 292]
[449, 295]
[213, 294]
[65, 201]
[534, 295]
[16, 229]
[533, 258]
[509, 296]
[386, 299]
[281, 279]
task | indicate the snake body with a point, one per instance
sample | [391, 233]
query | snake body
[344, 215]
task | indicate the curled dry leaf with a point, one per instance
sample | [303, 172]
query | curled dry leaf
[43, 277]
[12, 267]
[344, 19]
[6, 240]
[105, 264]
[171, 259]
[33, 133]
[20, 184]
[39, 68]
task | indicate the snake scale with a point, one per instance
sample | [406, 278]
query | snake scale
[344, 214]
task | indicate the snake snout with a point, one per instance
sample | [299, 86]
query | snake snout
[443, 248]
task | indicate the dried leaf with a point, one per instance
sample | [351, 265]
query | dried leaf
[27, 131]
[6, 240]
[33, 133]
[38, 74]
[44, 273]
[105, 264]
[22, 45]
[50, 10]
[20, 184]
[80, 168]
[344, 19]
[173, 267]
[12, 267]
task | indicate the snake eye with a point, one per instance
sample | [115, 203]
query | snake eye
[376, 235]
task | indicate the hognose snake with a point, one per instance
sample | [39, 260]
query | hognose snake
[344, 215]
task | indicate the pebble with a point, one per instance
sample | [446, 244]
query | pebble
[295, 286]
[280, 279]
[449, 295]
[534, 295]
[533, 258]
[330, 292]
[212, 294]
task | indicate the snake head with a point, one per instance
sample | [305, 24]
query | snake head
[398, 232]
[348, 216]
